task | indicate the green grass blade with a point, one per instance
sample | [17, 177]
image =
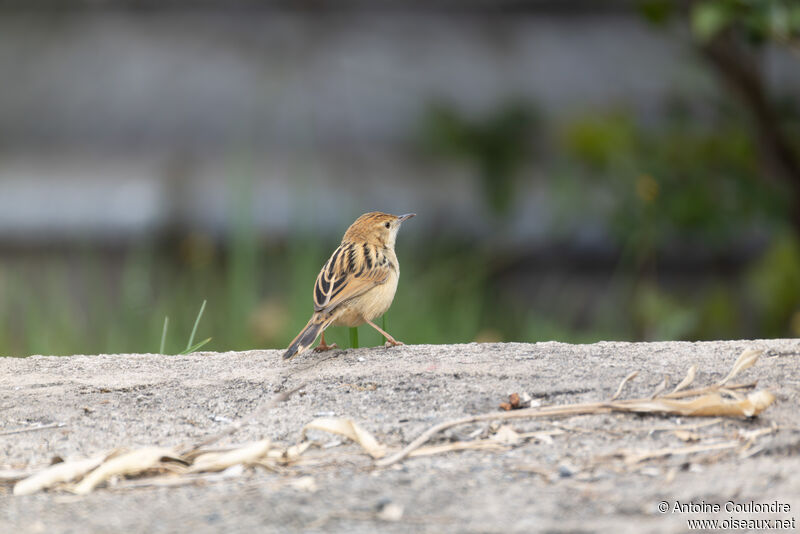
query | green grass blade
[194, 348]
[354, 338]
[196, 322]
[163, 335]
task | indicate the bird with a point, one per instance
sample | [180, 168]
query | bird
[358, 282]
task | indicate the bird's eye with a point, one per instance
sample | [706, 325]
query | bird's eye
[387, 225]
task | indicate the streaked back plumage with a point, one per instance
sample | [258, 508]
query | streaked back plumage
[364, 260]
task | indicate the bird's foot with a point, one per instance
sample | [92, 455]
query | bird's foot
[392, 343]
[322, 347]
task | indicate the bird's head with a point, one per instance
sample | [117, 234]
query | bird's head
[376, 228]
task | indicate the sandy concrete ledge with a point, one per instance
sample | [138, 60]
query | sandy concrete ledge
[579, 480]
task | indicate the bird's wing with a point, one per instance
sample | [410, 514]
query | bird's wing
[351, 271]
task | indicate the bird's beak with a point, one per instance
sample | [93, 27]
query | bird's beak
[406, 216]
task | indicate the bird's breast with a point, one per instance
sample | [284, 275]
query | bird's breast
[371, 304]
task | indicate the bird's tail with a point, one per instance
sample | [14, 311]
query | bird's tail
[307, 335]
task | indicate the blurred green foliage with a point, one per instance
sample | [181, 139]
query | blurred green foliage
[83, 309]
[660, 315]
[774, 283]
[497, 145]
[688, 186]
[692, 186]
[730, 35]
[759, 20]
[689, 181]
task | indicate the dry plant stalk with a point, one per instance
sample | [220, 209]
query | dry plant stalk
[57, 474]
[104, 467]
[634, 457]
[290, 454]
[130, 463]
[477, 445]
[219, 461]
[687, 380]
[711, 404]
[349, 429]
[625, 380]
[161, 460]
[746, 360]
[31, 429]
[708, 402]
[661, 387]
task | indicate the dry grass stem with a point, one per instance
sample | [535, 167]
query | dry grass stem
[481, 445]
[687, 380]
[707, 389]
[218, 461]
[57, 474]
[31, 429]
[708, 402]
[746, 359]
[130, 463]
[349, 429]
[622, 384]
[662, 387]
[635, 457]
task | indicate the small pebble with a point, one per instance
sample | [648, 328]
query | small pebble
[221, 419]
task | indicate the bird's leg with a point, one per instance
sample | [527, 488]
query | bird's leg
[322, 347]
[390, 341]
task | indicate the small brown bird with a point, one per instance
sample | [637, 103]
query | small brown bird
[358, 282]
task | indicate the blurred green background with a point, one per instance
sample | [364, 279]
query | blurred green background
[675, 216]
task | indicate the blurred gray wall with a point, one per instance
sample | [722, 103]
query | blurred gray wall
[114, 123]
